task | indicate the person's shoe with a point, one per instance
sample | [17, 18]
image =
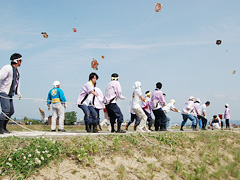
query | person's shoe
[87, 127]
[151, 129]
[62, 130]
[135, 128]
[126, 128]
[100, 127]
[53, 130]
[195, 128]
[5, 126]
[147, 130]
[113, 131]
[6, 131]
[120, 131]
[95, 131]
[181, 129]
[1, 127]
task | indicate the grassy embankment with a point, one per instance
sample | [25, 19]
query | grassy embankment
[170, 155]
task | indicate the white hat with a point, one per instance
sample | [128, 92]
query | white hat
[198, 100]
[137, 85]
[227, 105]
[191, 98]
[172, 101]
[55, 83]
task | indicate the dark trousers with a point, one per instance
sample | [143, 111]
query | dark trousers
[204, 122]
[92, 120]
[87, 110]
[160, 119]
[221, 124]
[149, 118]
[227, 123]
[7, 106]
[134, 117]
[114, 113]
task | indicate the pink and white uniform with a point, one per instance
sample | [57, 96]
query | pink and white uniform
[113, 92]
[84, 92]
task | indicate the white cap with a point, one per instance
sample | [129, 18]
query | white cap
[191, 98]
[137, 85]
[227, 105]
[55, 83]
[172, 101]
[198, 100]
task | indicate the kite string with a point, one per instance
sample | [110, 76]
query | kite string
[37, 99]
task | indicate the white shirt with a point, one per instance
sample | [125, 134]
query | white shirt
[197, 108]
[168, 107]
[136, 100]
[113, 91]
[188, 107]
[6, 77]
[203, 109]
[98, 101]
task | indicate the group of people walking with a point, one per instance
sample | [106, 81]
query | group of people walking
[91, 100]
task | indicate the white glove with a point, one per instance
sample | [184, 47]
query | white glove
[48, 105]
[19, 96]
[179, 111]
[122, 97]
[64, 105]
[147, 100]
[100, 98]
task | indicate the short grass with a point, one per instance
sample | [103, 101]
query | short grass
[174, 155]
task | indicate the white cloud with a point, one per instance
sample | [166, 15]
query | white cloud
[6, 45]
[220, 96]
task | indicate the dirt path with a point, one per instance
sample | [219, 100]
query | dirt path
[80, 133]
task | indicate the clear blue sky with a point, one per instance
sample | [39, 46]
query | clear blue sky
[176, 46]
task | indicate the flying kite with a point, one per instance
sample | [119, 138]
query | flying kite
[218, 42]
[42, 113]
[158, 7]
[102, 57]
[45, 35]
[74, 30]
[233, 72]
[94, 64]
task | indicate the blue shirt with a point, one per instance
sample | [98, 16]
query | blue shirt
[56, 95]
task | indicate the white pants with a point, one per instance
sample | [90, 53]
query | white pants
[106, 120]
[143, 120]
[57, 111]
[216, 125]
